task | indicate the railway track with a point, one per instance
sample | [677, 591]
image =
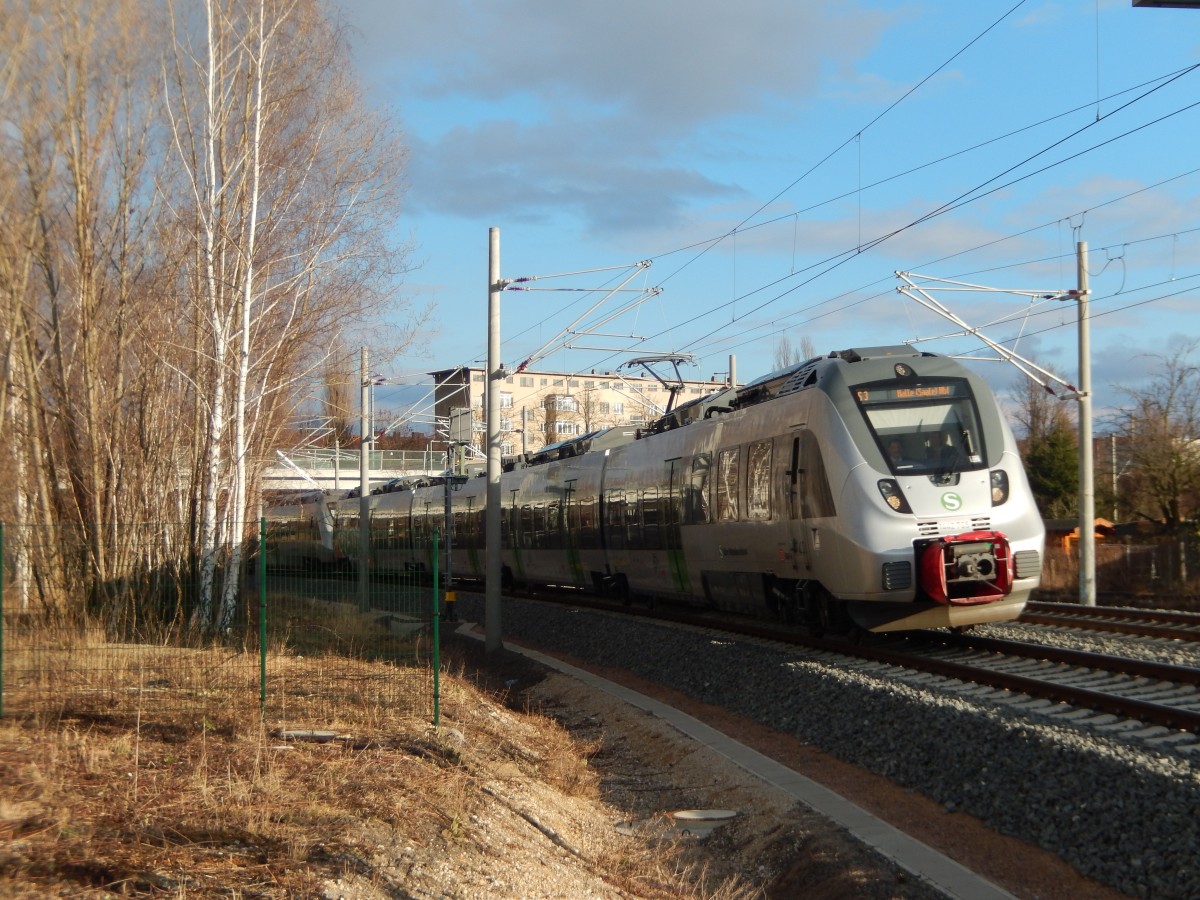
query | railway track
[1153, 696]
[1159, 623]
[1157, 695]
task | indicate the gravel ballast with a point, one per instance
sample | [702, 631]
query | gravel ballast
[1117, 808]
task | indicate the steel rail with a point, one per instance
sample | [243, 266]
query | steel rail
[1141, 668]
[1181, 617]
[1126, 707]
[1085, 698]
[1081, 618]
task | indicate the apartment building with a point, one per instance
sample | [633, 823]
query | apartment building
[540, 408]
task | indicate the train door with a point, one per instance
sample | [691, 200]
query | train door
[672, 516]
[809, 496]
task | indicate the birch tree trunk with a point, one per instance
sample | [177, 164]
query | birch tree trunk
[241, 472]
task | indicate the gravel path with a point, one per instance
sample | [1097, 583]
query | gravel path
[1119, 809]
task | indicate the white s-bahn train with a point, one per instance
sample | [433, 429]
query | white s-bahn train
[882, 484]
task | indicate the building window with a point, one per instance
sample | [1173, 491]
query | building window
[605, 407]
[506, 448]
[588, 385]
[545, 381]
[505, 400]
[618, 409]
[506, 424]
[526, 381]
[566, 428]
[574, 382]
[562, 404]
[619, 386]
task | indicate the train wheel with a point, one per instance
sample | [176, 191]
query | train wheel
[822, 613]
[786, 601]
[621, 589]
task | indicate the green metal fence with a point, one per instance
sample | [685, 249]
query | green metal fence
[98, 625]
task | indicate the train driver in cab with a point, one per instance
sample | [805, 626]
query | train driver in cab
[895, 451]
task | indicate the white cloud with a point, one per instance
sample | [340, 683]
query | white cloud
[616, 95]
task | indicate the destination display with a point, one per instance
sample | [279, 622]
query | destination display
[916, 392]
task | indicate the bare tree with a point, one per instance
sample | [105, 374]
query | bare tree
[786, 354]
[1036, 411]
[79, 203]
[1161, 434]
[289, 185]
[338, 398]
[184, 235]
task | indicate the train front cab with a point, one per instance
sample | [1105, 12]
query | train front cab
[950, 527]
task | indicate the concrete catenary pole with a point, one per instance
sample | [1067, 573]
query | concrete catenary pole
[1087, 490]
[492, 558]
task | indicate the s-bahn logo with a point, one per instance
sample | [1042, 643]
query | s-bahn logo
[952, 501]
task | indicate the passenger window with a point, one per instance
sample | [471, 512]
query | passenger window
[727, 485]
[758, 481]
[697, 502]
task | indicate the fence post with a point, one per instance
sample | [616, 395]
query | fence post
[262, 617]
[1, 620]
[437, 640]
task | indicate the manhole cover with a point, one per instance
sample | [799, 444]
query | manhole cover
[701, 821]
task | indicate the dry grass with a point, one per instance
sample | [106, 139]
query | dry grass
[118, 793]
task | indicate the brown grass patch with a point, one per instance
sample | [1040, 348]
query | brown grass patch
[120, 793]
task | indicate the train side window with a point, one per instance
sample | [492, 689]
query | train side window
[588, 536]
[539, 525]
[758, 480]
[698, 511]
[553, 540]
[614, 519]
[633, 521]
[672, 506]
[651, 520]
[471, 525]
[510, 525]
[728, 472]
[527, 526]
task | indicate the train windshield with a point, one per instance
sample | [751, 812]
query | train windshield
[926, 427]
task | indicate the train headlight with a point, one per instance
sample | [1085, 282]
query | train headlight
[999, 486]
[893, 496]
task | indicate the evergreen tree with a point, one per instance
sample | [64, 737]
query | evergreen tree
[1052, 464]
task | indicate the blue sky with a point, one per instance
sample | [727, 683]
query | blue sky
[778, 161]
